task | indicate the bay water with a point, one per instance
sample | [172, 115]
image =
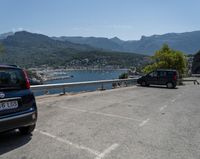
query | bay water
[84, 75]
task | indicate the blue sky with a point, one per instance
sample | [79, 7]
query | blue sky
[126, 19]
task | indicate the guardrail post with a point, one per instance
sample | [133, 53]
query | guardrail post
[64, 91]
[126, 84]
[114, 85]
[196, 82]
[102, 88]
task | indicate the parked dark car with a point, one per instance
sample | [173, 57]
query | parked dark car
[160, 77]
[17, 103]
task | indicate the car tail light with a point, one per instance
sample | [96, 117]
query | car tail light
[175, 77]
[27, 80]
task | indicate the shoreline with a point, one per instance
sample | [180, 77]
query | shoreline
[76, 69]
[49, 74]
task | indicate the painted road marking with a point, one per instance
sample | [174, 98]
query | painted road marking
[162, 108]
[107, 151]
[144, 122]
[173, 100]
[80, 147]
[103, 114]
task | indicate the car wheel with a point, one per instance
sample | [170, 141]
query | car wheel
[170, 85]
[27, 130]
[143, 83]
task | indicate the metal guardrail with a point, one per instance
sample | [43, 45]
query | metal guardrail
[195, 75]
[63, 86]
[190, 80]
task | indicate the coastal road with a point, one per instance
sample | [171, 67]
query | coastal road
[125, 123]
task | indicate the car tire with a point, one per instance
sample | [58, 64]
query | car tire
[170, 85]
[27, 130]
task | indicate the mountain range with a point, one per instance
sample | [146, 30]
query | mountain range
[187, 42]
[31, 50]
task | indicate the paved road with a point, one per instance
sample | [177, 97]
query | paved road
[126, 123]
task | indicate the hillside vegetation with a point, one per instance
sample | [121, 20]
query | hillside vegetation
[34, 50]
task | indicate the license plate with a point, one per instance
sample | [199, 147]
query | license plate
[8, 105]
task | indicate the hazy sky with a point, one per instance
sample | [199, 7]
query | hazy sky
[126, 19]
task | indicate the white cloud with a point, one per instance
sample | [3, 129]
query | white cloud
[103, 27]
[20, 29]
[17, 29]
[118, 26]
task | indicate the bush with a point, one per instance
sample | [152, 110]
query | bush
[123, 76]
[166, 58]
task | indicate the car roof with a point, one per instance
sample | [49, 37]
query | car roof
[8, 66]
[166, 70]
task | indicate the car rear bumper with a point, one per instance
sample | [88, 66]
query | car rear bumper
[17, 120]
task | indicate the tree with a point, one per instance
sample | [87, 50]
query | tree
[196, 63]
[167, 58]
[1, 48]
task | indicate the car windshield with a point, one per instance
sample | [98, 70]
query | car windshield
[153, 74]
[11, 79]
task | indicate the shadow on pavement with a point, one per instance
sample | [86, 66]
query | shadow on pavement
[157, 86]
[12, 140]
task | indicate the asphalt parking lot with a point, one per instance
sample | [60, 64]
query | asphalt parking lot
[126, 123]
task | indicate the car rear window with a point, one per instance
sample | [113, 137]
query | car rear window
[171, 73]
[12, 79]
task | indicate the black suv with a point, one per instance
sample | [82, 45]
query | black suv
[17, 103]
[160, 77]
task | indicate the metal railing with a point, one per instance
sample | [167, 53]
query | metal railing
[64, 86]
[195, 75]
[195, 81]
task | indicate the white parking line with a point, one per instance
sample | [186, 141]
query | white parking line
[144, 122]
[162, 108]
[107, 151]
[91, 151]
[103, 114]
[173, 100]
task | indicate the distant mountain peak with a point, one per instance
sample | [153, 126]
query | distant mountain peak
[115, 38]
[27, 33]
[5, 35]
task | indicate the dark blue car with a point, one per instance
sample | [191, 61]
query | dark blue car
[17, 103]
[166, 77]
